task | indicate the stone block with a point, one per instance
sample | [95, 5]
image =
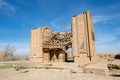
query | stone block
[100, 68]
[98, 71]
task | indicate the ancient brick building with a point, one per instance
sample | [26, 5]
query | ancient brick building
[49, 46]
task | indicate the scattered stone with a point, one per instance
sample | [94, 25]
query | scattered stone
[82, 66]
[72, 70]
[48, 67]
[114, 65]
[96, 71]
[109, 57]
[117, 56]
[17, 67]
[98, 68]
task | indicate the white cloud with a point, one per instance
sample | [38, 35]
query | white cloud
[108, 48]
[53, 24]
[56, 26]
[97, 19]
[68, 28]
[104, 18]
[6, 7]
[61, 24]
[23, 51]
[105, 38]
[107, 43]
[57, 21]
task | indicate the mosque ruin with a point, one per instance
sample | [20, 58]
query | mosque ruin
[49, 46]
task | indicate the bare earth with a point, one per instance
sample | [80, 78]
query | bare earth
[71, 71]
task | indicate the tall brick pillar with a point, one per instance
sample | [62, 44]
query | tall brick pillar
[83, 41]
[36, 45]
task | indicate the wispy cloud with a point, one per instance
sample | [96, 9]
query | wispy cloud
[109, 48]
[6, 7]
[56, 26]
[61, 24]
[113, 7]
[22, 48]
[105, 38]
[104, 18]
[68, 28]
[118, 29]
[55, 23]
[23, 51]
[107, 43]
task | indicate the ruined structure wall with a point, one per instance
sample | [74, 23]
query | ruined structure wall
[49, 46]
[43, 47]
[91, 35]
[83, 38]
[46, 37]
[36, 54]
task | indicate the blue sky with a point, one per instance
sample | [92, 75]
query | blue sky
[18, 17]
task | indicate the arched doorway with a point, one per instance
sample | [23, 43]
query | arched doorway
[57, 55]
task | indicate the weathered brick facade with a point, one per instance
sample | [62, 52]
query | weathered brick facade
[49, 46]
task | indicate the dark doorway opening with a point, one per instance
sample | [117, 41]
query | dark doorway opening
[57, 55]
[69, 54]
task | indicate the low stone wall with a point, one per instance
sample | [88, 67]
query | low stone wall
[109, 57]
[99, 68]
[98, 71]
[114, 68]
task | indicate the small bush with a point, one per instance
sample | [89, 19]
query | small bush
[25, 71]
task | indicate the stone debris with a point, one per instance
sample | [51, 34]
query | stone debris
[114, 65]
[98, 68]
[114, 68]
[48, 67]
[117, 56]
[18, 67]
[74, 70]
[109, 57]
[97, 71]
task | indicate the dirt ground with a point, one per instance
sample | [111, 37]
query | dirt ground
[70, 71]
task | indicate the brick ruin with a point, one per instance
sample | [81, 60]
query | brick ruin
[50, 46]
